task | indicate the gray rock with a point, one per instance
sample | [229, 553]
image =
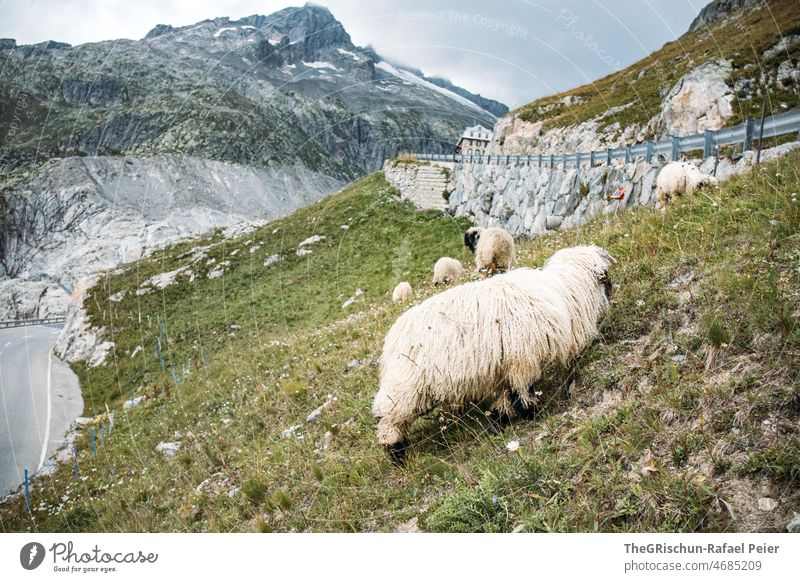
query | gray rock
[317, 412]
[293, 431]
[272, 259]
[134, 402]
[794, 525]
[553, 222]
[767, 504]
[168, 449]
[700, 100]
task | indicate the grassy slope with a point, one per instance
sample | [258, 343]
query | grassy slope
[630, 439]
[742, 40]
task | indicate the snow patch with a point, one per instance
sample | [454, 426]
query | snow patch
[319, 65]
[222, 30]
[412, 78]
[345, 52]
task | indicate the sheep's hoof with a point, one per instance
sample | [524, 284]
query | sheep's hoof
[397, 452]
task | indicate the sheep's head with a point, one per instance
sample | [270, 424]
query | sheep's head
[471, 237]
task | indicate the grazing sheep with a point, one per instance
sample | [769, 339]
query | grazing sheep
[402, 292]
[447, 270]
[493, 248]
[488, 341]
[678, 178]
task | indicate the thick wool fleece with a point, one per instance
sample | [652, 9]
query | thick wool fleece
[489, 339]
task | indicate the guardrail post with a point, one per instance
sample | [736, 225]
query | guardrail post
[552, 159]
[749, 126]
[563, 161]
[649, 154]
[708, 137]
[761, 129]
[75, 457]
[676, 148]
[591, 159]
[627, 155]
[540, 160]
[27, 492]
[608, 157]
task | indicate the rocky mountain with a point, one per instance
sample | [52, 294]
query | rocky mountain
[715, 75]
[719, 9]
[113, 148]
[288, 88]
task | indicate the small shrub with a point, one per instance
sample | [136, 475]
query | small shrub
[295, 388]
[254, 490]
[715, 331]
[477, 509]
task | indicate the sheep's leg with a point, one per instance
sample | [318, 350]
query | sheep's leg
[500, 415]
[498, 421]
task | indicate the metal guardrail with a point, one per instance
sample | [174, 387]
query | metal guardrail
[709, 141]
[26, 322]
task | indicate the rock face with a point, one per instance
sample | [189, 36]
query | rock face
[701, 100]
[428, 186]
[719, 9]
[516, 137]
[94, 213]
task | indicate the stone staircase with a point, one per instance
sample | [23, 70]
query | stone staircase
[428, 186]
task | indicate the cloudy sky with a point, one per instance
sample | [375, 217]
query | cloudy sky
[510, 50]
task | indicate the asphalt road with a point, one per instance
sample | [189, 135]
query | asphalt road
[39, 398]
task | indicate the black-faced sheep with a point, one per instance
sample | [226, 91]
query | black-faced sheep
[677, 178]
[447, 270]
[493, 248]
[488, 341]
[402, 292]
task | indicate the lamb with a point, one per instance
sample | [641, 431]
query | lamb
[488, 341]
[678, 178]
[402, 292]
[493, 248]
[447, 270]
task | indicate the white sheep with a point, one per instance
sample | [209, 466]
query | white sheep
[402, 292]
[677, 178]
[447, 270]
[493, 248]
[488, 340]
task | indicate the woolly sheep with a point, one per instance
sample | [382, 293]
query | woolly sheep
[447, 270]
[402, 292]
[678, 178]
[493, 248]
[488, 340]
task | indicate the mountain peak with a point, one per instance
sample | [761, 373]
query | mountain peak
[719, 9]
